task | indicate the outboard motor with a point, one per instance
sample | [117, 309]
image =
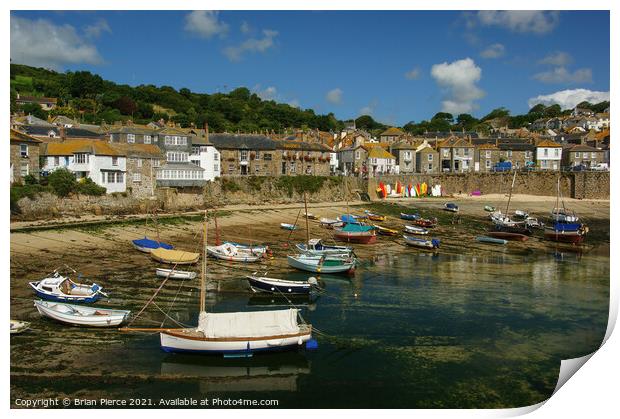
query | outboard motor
[435, 243]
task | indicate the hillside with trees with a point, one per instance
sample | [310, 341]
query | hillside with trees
[91, 99]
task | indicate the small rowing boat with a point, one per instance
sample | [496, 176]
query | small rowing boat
[573, 233]
[493, 240]
[317, 247]
[311, 216]
[384, 231]
[18, 327]
[374, 217]
[425, 222]
[287, 226]
[81, 315]
[489, 208]
[426, 244]
[415, 230]
[507, 235]
[330, 222]
[174, 274]
[280, 286]
[409, 217]
[255, 248]
[451, 206]
[322, 264]
[174, 257]
[232, 253]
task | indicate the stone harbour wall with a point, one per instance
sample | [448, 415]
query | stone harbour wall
[580, 185]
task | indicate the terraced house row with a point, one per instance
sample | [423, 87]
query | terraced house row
[139, 159]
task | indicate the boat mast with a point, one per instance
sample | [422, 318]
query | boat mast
[307, 227]
[203, 270]
[217, 233]
[510, 195]
[156, 224]
[557, 199]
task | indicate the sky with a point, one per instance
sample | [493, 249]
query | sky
[397, 66]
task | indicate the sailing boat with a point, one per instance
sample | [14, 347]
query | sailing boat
[566, 226]
[147, 245]
[236, 333]
[504, 224]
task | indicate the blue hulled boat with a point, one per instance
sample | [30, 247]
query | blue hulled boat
[281, 286]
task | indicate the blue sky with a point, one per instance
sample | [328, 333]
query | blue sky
[396, 66]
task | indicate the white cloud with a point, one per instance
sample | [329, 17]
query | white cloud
[245, 27]
[96, 29]
[41, 43]
[562, 75]
[334, 96]
[568, 99]
[205, 23]
[532, 21]
[251, 45]
[459, 80]
[557, 58]
[493, 51]
[413, 74]
[268, 93]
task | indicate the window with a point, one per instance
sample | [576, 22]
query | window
[293, 167]
[244, 155]
[56, 161]
[216, 167]
[111, 177]
[231, 168]
[488, 164]
[23, 150]
[155, 138]
[357, 155]
[167, 140]
[446, 152]
[155, 162]
[267, 156]
[195, 149]
[137, 178]
[114, 161]
[407, 155]
[556, 152]
[430, 157]
[430, 166]
[196, 162]
[177, 156]
[139, 162]
[257, 155]
[119, 177]
[488, 154]
[509, 153]
[466, 151]
[545, 152]
[131, 138]
[147, 139]
[81, 158]
[103, 177]
[577, 154]
[24, 169]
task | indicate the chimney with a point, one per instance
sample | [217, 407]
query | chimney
[63, 134]
[206, 131]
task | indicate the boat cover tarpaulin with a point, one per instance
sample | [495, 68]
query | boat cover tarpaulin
[151, 244]
[566, 226]
[249, 324]
[356, 228]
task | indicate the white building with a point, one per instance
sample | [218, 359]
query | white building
[381, 161]
[333, 162]
[206, 156]
[92, 159]
[548, 155]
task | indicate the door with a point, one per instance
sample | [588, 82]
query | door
[283, 167]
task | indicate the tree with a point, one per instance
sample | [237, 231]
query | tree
[552, 111]
[497, 113]
[540, 108]
[185, 92]
[126, 105]
[443, 116]
[62, 182]
[466, 121]
[34, 109]
[84, 84]
[366, 122]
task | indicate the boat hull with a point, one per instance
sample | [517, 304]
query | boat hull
[423, 244]
[175, 341]
[355, 238]
[573, 237]
[506, 235]
[169, 273]
[113, 318]
[235, 258]
[286, 287]
[314, 266]
[492, 240]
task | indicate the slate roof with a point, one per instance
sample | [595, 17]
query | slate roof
[181, 166]
[132, 129]
[393, 131]
[300, 145]
[242, 141]
[138, 150]
[547, 143]
[20, 136]
[516, 146]
[380, 153]
[581, 147]
[43, 131]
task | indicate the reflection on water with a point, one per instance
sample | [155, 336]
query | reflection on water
[215, 374]
[409, 329]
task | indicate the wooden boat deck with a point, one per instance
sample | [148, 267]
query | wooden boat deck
[194, 334]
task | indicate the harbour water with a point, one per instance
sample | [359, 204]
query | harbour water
[479, 328]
